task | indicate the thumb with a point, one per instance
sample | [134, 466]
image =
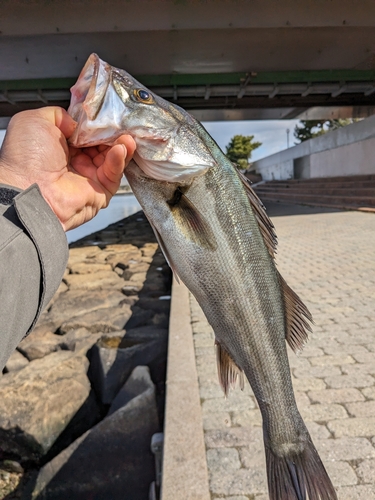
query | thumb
[111, 171]
[64, 122]
[59, 117]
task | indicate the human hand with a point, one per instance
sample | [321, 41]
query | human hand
[76, 183]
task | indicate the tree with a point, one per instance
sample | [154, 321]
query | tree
[308, 129]
[240, 148]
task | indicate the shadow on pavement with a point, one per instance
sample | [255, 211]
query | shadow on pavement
[275, 209]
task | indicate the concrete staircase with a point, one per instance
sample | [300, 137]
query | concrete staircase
[355, 192]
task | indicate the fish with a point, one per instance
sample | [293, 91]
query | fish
[219, 241]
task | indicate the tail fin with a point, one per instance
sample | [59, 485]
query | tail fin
[299, 476]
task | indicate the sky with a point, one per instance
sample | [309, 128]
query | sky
[271, 133]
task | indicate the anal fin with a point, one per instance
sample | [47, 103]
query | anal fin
[297, 317]
[228, 371]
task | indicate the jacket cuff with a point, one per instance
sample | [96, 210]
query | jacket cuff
[49, 238]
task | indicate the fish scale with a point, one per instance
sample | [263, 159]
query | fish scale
[219, 241]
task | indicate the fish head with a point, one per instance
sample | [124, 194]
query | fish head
[107, 102]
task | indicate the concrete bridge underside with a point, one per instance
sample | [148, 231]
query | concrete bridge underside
[221, 59]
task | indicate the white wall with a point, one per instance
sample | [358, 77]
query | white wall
[347, 151]
[278, 171]
[354, 159]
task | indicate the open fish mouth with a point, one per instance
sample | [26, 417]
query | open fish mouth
[95, 105]
[107, 102]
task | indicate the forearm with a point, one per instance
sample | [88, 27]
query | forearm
[33, 257]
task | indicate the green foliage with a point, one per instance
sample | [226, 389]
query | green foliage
[308, 129]
[240, 148]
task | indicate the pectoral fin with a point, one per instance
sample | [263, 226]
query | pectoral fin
[227, 370]
[191, 222]
[164, 249]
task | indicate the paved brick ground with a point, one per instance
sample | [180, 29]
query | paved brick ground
[329, 259]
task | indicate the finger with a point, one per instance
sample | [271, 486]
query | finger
[57, 116]
[103, 147]
[91, 151]
[64, 122]
[110, 172]
[130, 145]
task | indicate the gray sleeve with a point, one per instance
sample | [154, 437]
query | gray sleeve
[33, 257]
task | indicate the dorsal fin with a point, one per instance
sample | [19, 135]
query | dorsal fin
[227, 370]
[265, 224]
[297, 317]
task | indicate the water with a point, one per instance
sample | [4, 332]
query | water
[120, 206]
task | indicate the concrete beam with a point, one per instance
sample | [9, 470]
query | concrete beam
[24, 18]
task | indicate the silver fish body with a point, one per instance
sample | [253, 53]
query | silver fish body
[218, 240]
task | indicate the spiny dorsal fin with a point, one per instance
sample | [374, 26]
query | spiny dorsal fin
[191, 222]
[265, 224]
[297, 317]
[227, 370]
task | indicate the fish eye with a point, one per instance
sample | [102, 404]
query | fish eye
[143, 96]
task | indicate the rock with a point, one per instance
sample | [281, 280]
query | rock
[138, 277]
[82, 339]
[134, 336]
[139, 317]
[88, 415]
[39, 345]
[16, 362]
[9, 481]
[45, 323]
[149, 249]
[156, 305]
[102, 320]
[111, 366]
[77, 302]
[121, 258]
[98, 281]
[161, 320]
[62, 288]
[80, 254]
[38, 402]
[111, 461]
[135, 267]
[88, 268]
[131, 288]
[138, 382]
[11, 466]
[156, 282]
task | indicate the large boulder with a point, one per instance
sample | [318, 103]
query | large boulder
[16, 362]
[38, 344]
[97, 281]
[111, 461]
[38, 402]
[111, 365]
[77, 302]
[102, 320]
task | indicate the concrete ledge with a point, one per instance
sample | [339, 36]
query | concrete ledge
[185, 473]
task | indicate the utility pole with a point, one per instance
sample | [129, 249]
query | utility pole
[287, 137]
